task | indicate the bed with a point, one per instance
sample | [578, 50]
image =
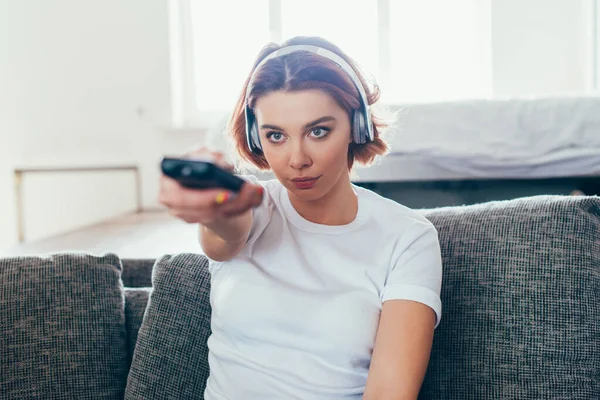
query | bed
[512, 138]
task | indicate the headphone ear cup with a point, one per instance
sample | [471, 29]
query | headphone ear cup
[358, 127]
[254, 135]
[252, 131]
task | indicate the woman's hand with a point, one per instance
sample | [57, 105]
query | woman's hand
[207, 207]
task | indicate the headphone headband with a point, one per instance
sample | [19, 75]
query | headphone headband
[362, 133]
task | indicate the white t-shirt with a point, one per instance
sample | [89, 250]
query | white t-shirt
[295, 314]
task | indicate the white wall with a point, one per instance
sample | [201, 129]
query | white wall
[540, 47]
[64, 210]
[81, 83]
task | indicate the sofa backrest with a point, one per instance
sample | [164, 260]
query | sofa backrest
[137, 272]
[136, 300]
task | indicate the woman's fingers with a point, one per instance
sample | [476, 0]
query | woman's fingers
[172, 194]
[248, 197]
[207, 205]
[213, 156]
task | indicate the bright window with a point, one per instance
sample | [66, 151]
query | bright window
[353, 30]
[414, 54]
[225, 44]
[418, 50]
[441, 55]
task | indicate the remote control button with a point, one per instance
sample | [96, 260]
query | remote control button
[186, 171]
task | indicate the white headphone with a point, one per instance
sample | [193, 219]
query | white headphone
[362, 125]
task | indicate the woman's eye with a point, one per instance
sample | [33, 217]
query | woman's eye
[319, 132]
[275, 136]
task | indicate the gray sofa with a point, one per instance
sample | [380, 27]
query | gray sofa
[521, 313]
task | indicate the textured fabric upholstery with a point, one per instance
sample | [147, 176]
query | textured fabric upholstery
[521, 307]
[521, 301]
[136, 300]
[170, 360]
[62, 327]
[137, 272]
[521, 313]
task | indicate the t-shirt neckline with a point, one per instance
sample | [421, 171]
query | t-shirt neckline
[298, 220]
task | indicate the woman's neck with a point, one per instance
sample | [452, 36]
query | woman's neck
[338, 207]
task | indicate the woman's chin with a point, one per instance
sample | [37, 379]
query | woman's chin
[310, 194]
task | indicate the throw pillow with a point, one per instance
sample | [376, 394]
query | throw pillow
[170, 360]
[62, 327]
[521, 300]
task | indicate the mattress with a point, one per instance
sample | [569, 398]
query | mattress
[407, 167]
[512, 138]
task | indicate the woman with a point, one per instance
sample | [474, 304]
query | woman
[320, 289]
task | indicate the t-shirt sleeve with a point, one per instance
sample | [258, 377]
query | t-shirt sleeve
[260, 218]
[261, 215]
[416, 273]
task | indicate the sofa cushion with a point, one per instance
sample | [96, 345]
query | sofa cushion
[136, 300]
[521, 300]
[62, 327]
[170, 360]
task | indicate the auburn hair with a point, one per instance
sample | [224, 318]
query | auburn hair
[302, 71]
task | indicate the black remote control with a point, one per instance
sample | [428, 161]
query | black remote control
[197, 174]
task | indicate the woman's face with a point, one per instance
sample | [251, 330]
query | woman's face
[305, 137]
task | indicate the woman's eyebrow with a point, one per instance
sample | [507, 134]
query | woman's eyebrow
[273, 127]
[319, 120]
[326, 118]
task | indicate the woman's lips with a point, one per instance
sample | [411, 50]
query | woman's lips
[305, 182]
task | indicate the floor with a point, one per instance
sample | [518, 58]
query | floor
[142, 235]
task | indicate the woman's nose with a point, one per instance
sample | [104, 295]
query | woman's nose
[299, 159]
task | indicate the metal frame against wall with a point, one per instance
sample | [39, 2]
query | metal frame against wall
[18, 182]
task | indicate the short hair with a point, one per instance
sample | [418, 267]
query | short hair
[303, 71]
